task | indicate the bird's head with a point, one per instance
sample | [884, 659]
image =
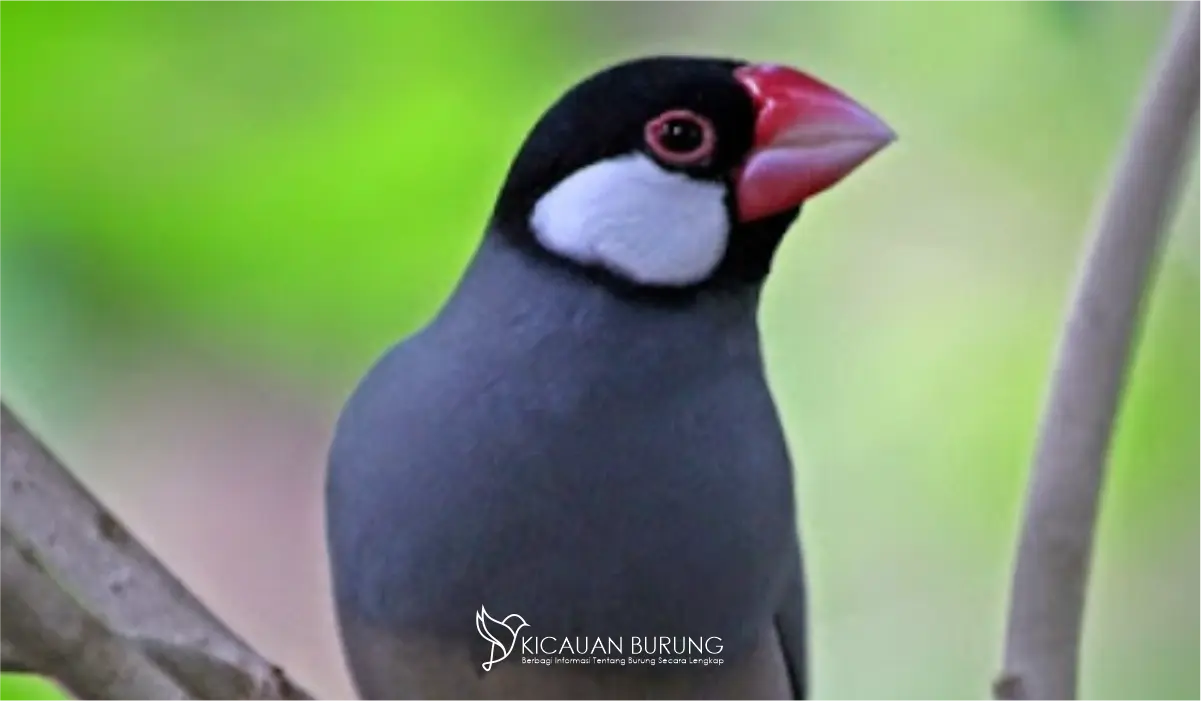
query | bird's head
[673, 174]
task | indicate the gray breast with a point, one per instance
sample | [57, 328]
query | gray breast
[598, 468]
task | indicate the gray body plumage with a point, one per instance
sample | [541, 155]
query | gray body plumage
[547, 448]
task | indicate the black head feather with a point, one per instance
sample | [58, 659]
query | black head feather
[604, 117]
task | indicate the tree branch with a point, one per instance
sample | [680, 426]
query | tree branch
[1054, 552]
[11, 660]
[87, 605]
[55, 629]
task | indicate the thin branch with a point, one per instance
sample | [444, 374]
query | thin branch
[1054, 552]
[86, 604]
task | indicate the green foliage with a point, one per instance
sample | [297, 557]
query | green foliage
[225, 167]
[30, 688]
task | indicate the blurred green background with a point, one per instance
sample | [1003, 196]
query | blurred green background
[216, 215]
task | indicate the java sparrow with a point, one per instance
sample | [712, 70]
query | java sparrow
[582, 443]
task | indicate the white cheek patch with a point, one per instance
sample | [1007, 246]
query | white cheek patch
[630, 216]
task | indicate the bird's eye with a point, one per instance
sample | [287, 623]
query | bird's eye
[681, 138]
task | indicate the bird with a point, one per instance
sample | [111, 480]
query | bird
[583, 435]
[482, 618]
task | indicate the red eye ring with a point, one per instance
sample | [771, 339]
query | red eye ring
[662, 126]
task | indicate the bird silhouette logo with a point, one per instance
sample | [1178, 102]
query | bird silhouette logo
[485, 624]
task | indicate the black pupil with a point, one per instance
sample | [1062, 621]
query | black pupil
[681, 135]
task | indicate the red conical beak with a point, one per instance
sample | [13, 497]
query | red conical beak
[808, 136]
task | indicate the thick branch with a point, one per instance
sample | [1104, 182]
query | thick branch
[11, 659]
[86, 604]
[1048, 591]
[56, 630]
